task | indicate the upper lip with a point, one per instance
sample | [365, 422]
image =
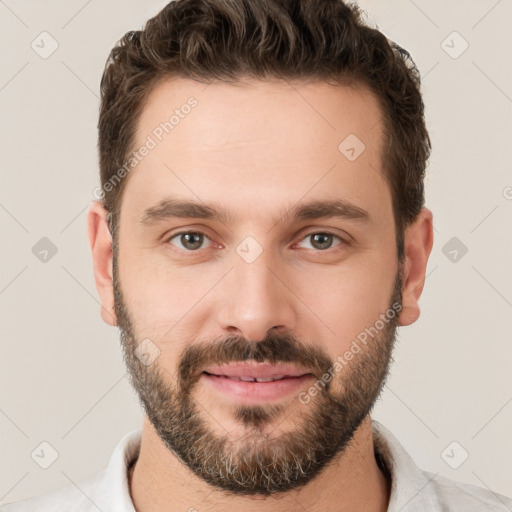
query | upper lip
[257, 370]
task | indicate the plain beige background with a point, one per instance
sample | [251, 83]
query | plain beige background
[62, 379]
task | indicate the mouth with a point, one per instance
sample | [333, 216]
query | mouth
[256, 382]
[250, 370]
[256, 379]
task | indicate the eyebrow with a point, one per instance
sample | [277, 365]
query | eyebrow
[172, 207]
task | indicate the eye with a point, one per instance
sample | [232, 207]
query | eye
[322, 240]
[190, 240]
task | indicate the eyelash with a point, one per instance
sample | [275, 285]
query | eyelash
[329, 233]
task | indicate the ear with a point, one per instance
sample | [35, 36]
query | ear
[418, 240]
[100, 241]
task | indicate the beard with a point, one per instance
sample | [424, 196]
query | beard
[265, 460]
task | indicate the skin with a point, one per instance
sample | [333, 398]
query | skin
[257, 150]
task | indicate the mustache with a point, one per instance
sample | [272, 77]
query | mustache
[275, 348]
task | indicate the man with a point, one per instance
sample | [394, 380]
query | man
[261, 235]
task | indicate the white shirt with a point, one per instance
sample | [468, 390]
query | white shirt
[412, 489]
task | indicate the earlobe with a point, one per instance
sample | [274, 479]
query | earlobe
[418, 241]
[100, 241]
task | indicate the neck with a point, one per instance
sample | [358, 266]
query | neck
[352, 482]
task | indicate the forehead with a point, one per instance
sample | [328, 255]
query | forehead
[258, 144]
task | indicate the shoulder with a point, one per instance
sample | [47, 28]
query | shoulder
[456, 496]
[97, 492]
[414, 489]
[87, 495]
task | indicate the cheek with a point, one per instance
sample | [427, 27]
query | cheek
[347, 300]
[162, 296]
[155, 289]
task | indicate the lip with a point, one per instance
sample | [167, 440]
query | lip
[252, 392]
[257, 370]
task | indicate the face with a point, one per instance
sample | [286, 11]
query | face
[285, 270]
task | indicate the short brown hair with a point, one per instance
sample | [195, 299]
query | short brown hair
[209, 40]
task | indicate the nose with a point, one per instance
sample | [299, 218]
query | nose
[255, 299]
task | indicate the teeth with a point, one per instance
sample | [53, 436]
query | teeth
[258, 379]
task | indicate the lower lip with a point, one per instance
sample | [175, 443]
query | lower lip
[255, 392]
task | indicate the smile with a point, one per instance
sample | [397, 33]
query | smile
[255, 379]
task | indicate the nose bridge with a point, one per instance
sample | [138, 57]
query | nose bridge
[254, 296]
